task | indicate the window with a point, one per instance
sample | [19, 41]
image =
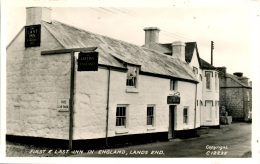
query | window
[248, 97]
[200, 77]
[207, 74]
[150, 115]
[195, 70]
[185, 115]
[131, 76]
[173, 85]
[216, 81]
[121, 116]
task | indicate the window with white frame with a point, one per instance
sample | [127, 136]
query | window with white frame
[121, 115]
[208, 80]
[132, 76]
[185, 115]
[150, 115]
[173, 85]
[216, 81]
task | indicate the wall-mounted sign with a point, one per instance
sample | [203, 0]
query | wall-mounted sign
[173, 100]
[32, 35]
[88, 61]
[63, 105]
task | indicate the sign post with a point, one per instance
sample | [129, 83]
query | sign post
[71, 102]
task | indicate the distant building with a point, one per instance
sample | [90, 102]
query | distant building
[207, 97]
[235, 95]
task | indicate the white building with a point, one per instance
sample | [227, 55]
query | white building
[207, 97]
[135, 90]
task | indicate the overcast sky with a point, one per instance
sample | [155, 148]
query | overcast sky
[231, 28]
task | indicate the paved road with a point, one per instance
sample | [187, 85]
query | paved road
[229, 141]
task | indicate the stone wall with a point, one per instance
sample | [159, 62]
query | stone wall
[34, 84]
[234, 103]
[235, 99]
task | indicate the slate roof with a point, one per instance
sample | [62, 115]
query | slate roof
[234, 77]
[110, 50]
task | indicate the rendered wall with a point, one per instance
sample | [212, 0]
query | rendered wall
[91, 101]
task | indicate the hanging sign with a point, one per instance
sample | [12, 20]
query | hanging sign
[32, 35]
[63, 105]
[173, 100]
[88, 61]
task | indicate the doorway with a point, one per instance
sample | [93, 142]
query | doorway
[171, 121]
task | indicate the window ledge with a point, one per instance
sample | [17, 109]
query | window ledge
[122, 131]
[150, 128]
[132, 90]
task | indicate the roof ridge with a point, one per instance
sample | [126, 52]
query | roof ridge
[94, 33]
[238, 81]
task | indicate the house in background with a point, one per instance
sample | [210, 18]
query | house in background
[136, 91]
[207, 97]
[235, 95]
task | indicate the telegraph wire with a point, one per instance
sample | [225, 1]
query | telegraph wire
[180, 34]
[127, 15]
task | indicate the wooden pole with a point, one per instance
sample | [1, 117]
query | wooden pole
[71, 99]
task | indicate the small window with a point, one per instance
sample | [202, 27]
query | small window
[195, 70]
[131, 76]
[185, 115]
[173, 85]
[248, 96]
[121, 116]
[150, 115]
[200, 77]
[216, 81]
[207, 74]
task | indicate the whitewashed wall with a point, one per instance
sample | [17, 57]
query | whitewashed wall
[34, 84]
[91, 97]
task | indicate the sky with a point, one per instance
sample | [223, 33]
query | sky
[231, 26]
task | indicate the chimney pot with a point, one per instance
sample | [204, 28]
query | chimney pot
[238, 74]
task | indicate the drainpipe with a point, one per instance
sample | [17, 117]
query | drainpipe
[195, 107]
[108, 90]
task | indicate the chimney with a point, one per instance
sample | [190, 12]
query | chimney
[34, 15]
[222, 72]
[238, 74]
[242, 78]
[151, 36]
[178, 48]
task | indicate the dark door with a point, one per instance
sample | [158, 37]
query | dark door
[171, 121]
